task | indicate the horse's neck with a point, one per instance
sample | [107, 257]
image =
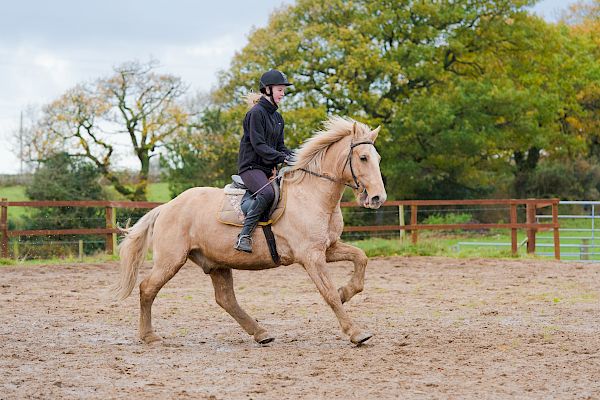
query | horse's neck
[321, 190]
[317, 193]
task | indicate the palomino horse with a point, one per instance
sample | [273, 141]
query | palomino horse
[308, 233]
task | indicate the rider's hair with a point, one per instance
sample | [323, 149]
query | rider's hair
[252, 98]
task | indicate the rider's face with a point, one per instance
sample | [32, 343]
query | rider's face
[278, 93]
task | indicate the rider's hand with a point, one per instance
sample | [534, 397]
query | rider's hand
[290, 159]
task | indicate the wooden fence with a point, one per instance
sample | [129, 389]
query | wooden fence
[110, 230]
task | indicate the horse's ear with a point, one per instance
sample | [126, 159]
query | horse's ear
[374, 133]
[354, 131]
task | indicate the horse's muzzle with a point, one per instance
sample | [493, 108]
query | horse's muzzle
[376, 201]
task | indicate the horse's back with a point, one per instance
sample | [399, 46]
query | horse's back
[191, 204]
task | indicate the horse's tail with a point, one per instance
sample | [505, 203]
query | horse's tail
[132, 252]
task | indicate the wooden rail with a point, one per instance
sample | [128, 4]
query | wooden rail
[530, 225]
[110, 230]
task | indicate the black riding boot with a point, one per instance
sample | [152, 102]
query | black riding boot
[255, 211]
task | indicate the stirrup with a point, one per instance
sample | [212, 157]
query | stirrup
[243, 246]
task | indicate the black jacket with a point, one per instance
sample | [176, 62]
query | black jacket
[262, 145]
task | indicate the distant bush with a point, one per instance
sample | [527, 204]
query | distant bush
[567, 179]
[448, 219]
[62, 177]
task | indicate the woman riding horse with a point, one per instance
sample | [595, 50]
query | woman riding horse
[261, 149]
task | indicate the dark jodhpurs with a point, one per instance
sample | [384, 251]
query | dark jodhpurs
[254, 179]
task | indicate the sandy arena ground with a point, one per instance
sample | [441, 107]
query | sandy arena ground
[444, 328]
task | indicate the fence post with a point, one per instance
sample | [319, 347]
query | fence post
[413, 222]
[584, 249]
[4, 227]
[402, 223]
[111, 238]
[531, 210]
[556, 232]
[513, 231]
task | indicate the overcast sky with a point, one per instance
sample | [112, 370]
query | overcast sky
[46, 47]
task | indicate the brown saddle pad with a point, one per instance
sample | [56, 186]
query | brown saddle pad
[231, 211]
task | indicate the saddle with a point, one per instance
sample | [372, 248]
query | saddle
[234, 207]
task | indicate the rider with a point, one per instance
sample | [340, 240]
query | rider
[261, 149]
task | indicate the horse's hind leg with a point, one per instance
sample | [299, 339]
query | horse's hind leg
[165, 267]
[222, 280]
[344, 252]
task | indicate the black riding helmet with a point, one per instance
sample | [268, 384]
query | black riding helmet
[272, 78]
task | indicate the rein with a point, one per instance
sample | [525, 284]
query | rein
[357, 184]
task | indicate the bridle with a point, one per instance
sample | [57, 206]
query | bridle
[357, 184]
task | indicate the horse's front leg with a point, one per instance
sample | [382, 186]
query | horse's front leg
[316, 267]
[344, 252]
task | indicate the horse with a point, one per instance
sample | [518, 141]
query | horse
[341, 155]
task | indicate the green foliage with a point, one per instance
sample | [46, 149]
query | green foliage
[567, 180]
[446, 219]
[206, 155]
[471, 95]
[62, 177]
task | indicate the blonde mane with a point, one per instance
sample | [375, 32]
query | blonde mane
[311, 154]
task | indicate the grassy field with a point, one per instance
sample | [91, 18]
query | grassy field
[13, 193]
[156, 192]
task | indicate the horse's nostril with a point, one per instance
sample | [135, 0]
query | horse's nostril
[375, 199]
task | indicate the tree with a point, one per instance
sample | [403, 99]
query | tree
[469, 93]
[135, 108]
[63, 177]
[583, 20]
[381, 61]
[206, 154]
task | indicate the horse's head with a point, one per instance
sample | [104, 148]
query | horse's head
[344, 152]
[362, 167]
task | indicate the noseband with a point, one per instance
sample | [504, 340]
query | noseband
[357, 184]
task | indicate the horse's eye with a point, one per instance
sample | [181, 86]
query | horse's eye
[363, 158]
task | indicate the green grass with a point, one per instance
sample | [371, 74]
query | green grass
[435, 245]
[87, 259]
[159, 192]
[13, 193]
[156, 192]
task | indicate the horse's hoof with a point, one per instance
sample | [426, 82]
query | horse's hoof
[263, 338]
[151, 338]
[360, 338]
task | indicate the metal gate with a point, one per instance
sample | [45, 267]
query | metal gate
[579, 240]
